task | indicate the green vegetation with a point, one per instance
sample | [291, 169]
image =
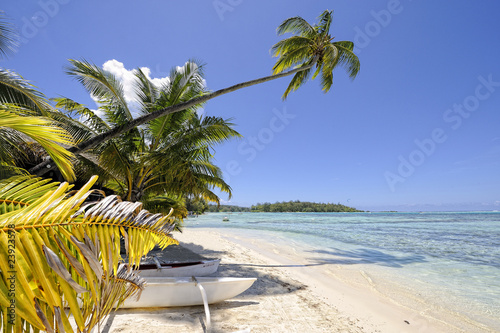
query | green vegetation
[196, 206]
[282, 207]
[169, 155]
[299, 206]
[227, 208]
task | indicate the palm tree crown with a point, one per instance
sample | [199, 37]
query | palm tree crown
[312, 45]
[168, 155]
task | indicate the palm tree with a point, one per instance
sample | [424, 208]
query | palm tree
[60, 254]
[321, 52]
[169, 155]
[311, 46]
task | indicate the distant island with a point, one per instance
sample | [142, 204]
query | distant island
[286, 207]
[227, 209]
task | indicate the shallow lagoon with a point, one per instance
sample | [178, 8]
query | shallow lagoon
[450, 259]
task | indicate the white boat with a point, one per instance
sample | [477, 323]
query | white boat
[184, 291]
[192, 268]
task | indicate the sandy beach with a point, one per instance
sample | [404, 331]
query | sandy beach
[293, 293]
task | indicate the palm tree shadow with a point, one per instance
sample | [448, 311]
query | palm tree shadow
[366, 256]
[266, 283]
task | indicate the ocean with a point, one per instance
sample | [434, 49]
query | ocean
[448, 259]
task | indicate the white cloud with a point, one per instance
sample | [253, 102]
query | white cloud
[127, 77]
[124, 75]
[156, 81]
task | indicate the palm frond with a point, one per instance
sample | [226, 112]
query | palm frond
[294, 57]
[289, 44]
[10, 143]
[67, 252]
[113, 290]
[42, 131]
[146, 92]
[330, 60]
[8, 36]
[347, 58]
[88, 117]
[295, 25]
[326, 79]
[209, 131]
[325, 20]
[21, 191]
[298, 80]
[186, 82]
[14, 89]
[164, 204]
[8, 170]
[104, 86]
[88, 165]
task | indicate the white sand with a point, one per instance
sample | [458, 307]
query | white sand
[292, 294]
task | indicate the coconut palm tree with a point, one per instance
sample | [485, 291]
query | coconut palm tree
[321, 52]
[169, 155]
[60, 254]
[312, 46]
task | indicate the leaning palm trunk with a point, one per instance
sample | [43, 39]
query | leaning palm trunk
[60, 255]
[41, 168]
[311, 45]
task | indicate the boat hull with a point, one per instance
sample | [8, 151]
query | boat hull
[200, 268]
[169, 292]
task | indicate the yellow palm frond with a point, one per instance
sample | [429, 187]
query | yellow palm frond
[41, 130]
[58, 251]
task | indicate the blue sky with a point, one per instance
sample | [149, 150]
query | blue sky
[418, 129]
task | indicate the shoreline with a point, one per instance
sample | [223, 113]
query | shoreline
[297, 294]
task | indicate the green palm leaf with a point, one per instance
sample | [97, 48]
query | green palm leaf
[8, 36]
[105, 87]
[91, 122]
[296, 25]
[40, 130]
[22, 191]
[347, 58]
[16, 90]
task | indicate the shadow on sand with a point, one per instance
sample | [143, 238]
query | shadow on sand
[365, 256]
[267, 284]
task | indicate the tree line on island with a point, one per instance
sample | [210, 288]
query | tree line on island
[286, 207]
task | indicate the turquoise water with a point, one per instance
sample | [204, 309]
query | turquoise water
[451, 258]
